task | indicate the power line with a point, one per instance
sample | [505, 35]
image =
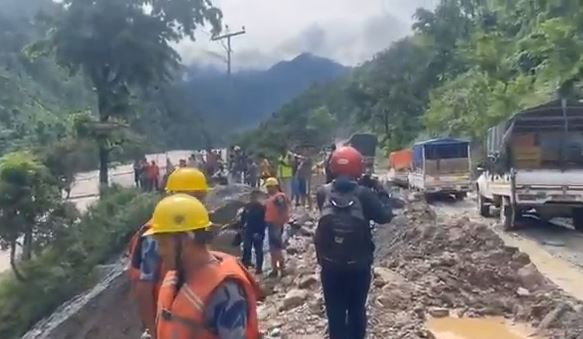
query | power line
[228, 35]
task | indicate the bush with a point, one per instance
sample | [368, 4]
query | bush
[64, 268]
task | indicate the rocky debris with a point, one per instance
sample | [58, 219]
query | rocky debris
[426, 267]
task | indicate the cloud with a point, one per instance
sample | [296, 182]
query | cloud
[347, 31]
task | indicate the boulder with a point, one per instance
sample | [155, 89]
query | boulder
[308, 282]
[294, 298]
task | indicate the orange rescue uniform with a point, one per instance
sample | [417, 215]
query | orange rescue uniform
[135, 256]
[272, 211]
[181, 312]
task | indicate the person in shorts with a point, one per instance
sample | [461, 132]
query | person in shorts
[277, 208]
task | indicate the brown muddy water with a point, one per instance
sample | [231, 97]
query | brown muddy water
[479, 328]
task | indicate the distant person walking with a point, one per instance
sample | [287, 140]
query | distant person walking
[285, 172]
[154, 176]
[253, 174]
[303, 179]
[277, 209]
[144, 172]
[253, 221]
[137, 173]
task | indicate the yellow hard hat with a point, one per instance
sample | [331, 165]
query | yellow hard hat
[270, 182]
[178, 213]
[186, 179]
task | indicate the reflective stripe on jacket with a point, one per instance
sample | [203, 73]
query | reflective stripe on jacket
[273, 214]
[135, 258]
[180, 314]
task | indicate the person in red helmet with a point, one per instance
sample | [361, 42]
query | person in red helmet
[344, 245]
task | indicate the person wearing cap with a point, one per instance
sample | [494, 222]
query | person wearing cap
[146, 270]
[204, 294]
[277, 209]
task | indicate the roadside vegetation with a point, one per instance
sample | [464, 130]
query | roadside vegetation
[63, 265]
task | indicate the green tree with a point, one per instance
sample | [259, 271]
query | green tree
[121, 45]
[28, 194]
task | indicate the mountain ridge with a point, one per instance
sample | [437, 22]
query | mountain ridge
[246, 98]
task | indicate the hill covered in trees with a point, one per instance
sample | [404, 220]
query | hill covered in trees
[467, 66]
[248, 97]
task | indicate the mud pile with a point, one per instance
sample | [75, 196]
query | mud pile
[424, 269]
[107, 310]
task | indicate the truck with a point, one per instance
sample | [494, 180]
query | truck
[366, 144]
[441, 166]
[399, 167]
[534, 164]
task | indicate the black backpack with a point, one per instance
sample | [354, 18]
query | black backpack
[343, 238]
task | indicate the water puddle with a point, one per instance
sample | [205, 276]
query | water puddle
[561, 272]
[479, 328]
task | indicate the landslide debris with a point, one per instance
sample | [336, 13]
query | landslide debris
[424, 268]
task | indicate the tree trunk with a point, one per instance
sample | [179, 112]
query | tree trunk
[27, 244]
[19, 276]
[103, 163]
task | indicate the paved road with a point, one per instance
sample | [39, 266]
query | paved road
[85, 190]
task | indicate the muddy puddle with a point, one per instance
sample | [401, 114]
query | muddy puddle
[479, 328]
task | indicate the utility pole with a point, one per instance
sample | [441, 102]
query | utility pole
[228, 35]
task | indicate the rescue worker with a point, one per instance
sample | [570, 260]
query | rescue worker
[277, 209]
[204, 294]
[344, 245]
[146, 270]
[285, 172]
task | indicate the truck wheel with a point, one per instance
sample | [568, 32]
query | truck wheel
[507, 215]
[483, 207]
[578, 219]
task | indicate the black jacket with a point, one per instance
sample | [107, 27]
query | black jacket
[372, 207]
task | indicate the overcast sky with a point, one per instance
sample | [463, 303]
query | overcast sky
[348, 31]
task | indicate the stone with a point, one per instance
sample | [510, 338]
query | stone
[307, 282]
[438, 312]
[294, 298]
[384, 275]
[530, 277]
[306, 232]
[522, 292]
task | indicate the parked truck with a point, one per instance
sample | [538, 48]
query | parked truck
[441, 167]
[366, 144]
[399, 167]
[535, 164]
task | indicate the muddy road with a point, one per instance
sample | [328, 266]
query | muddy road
[555, 248]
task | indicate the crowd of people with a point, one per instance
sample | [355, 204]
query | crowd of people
[185, 290]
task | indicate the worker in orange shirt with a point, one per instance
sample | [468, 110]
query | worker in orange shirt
[277, 209]
[204, 294]
[145, 269]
